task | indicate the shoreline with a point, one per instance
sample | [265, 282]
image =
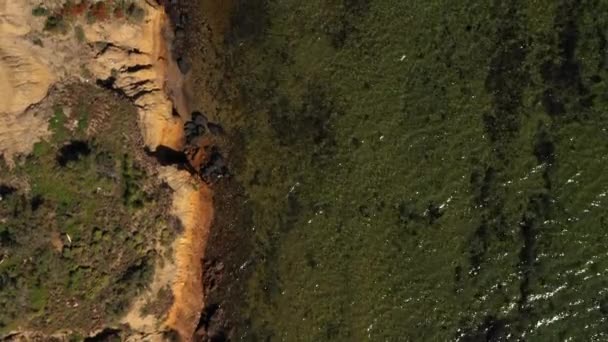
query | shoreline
[228, 259]
[192, 199]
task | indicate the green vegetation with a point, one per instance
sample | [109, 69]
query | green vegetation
[78, 246]
[420, 170]
[135, 13]
[83, 118]
[57, 124]
[79, 33]
[60, 19]
[133, 195]
[40, 11]
[55, 23]
[37, 41]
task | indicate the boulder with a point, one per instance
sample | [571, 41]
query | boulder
[215, 129]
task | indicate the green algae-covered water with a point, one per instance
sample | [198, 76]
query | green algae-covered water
[415, 170]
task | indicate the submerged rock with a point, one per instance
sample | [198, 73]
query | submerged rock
[196, 127]
[215, 129]
[199, 118]
[215, 168]
[183, 65]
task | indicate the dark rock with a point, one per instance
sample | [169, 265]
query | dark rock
[200, 130]
[180, 34]
[214, 169]
[196, 127]
[603, 306]
[189, 126]
[183, 65]
[183, 19]
[212, 325]
[215, 129]
[194, 133]
[434, 212]
[212, 275]
[190, 138]
[199, 118]
[195, 142]
[365, 211]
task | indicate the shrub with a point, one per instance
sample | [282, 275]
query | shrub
[40, 11]
[136, 13]
[79, 32]
[55, 23]
[119, 13]
[57, 124]
[99, 11]
[37, 41]
[91, 17]
[80, 8]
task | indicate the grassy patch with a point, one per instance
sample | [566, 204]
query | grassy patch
[57, 124]
[79, 33]
[56, 23]
[40, 11]
[60, 20]
[75, 243]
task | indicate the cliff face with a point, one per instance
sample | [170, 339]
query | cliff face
[193, 204]
[24, 80]
[134, 60]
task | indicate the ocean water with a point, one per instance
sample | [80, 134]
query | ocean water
[413, 170]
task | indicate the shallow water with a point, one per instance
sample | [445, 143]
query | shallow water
[416, 171]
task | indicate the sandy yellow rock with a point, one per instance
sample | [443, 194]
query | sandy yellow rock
[193, 204]
[24, 79]
[142, 46]
[14, 17]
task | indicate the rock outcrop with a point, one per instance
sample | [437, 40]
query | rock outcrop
[24, 80]
[134, 60]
